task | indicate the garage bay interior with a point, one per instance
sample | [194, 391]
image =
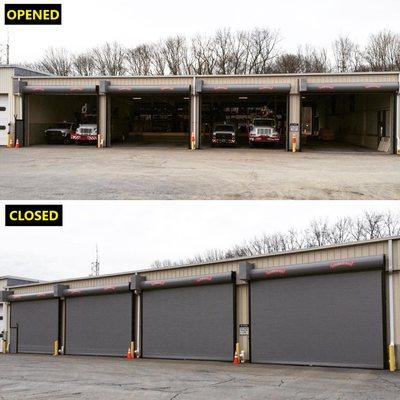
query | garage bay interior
[348, 121]
[241, 110]
[52, 111]
[149, 116]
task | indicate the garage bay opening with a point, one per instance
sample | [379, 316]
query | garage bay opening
[67, 119]
[348, 122]
[243, 120]
[143, 119]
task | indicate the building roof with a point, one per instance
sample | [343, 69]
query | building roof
[19, 278]
[27, 69]
[238, 259]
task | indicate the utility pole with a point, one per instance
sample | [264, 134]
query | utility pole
[95, 265]
[8, 48]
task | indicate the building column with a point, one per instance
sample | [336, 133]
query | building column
[195, 115]
[6, 336]
[294, 119]
[18, 111]
[102, 128]
[242, 319]
[397, 111]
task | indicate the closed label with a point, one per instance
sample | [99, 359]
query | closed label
[34, 215]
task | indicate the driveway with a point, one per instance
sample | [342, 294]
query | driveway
[80, 173]
[47, 377]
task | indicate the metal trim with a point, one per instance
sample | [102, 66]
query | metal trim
[246, 88]
[29, 297]
[200, 280]
[73, 90]
[151, 89]
[93, 291]
[319, 268]
[350, 87]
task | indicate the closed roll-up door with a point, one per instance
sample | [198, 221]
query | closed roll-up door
[331, 320]
[34, 326]
[189, 323]
[99, 325]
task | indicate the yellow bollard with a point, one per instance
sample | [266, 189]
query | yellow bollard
[237, 348]
[294, 142]
[392, 359]
[133, 349]
[55, 351]
[193, 141]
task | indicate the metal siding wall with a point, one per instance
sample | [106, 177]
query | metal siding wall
[238, 79]
[51, 81]
[6, 85]
[353, 78]
[396, 297]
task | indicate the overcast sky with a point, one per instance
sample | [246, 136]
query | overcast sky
[132, 234]
[87, 23]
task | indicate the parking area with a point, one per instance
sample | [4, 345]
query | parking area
[159, 172]
[46, 377]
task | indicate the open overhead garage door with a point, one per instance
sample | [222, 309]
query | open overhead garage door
[189, 318]
[150, 115]
[328, 314]
[34, 323]
[349, 116]
[99, 321]
[257, 113]
[52, 113]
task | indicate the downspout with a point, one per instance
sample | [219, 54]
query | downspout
[194, 116]
[8, 328]
[397, 111]
[138, 325]
[391, 348]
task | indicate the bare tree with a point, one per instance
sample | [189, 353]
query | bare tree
[313, 60]
[226, 52]
[370, 225]
[83, 64]
[139, 60]
[202, 55]
[347, 54]
[223, 49]
[175, 54]
[262, 45]
[158, 61]
[288, 64]
[382, 52]
[110, 59]
[56, 62]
